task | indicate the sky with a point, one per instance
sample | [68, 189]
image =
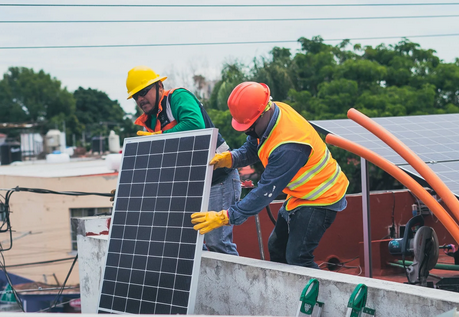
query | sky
[105, 68]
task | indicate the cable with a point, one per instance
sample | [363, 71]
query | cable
[42, 262]
[226, 5]
[3, 267]
[213, 43]
[63, 286]
[240, 20]
[47, 191]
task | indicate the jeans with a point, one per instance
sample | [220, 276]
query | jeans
[222, 196]
[297, 234]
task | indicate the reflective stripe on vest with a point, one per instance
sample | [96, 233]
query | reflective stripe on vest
[307, 175]
[322, 188]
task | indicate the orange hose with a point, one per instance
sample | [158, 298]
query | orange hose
[412, 158]
[402, 177]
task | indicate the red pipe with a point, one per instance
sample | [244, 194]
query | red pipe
[402, 177]
[412, 158]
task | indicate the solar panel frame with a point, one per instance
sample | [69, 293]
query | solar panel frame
[137, 249]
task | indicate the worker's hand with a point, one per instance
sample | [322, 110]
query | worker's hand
[222, 160]
[209, 220]
[148, 133]
[113, 195]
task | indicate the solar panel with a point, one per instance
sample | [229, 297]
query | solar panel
[154, 253]
[434, 138]
[447, 171]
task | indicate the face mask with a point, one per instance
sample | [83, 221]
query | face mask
[251, 133]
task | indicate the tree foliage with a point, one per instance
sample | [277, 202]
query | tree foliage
[323, 81]
[27, 96]
[99, 114]
[35, 97]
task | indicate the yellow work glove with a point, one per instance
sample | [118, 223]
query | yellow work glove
[209, 220]
[222, 160]
[148, 133]
[112, 198]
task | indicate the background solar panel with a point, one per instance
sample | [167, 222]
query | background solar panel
[434, 138]
[154, 253]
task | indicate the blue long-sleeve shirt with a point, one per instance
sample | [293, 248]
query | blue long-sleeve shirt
[283, 164]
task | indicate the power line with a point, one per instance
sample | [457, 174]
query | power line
[227, 5]
[212, 43]
[238, 20]
[40, 263]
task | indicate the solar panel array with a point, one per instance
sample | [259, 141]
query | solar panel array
[434, 138]
[154, 253]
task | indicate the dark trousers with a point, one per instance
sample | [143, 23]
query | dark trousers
[297, 234]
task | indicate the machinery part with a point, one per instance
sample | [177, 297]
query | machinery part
[246, 103]
[401, 246]
[425, 248]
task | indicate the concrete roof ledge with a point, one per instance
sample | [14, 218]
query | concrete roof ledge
[243, 286]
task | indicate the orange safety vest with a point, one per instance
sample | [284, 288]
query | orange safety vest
[164, 120]
[320, 182]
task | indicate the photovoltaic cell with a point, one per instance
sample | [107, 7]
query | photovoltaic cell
[434, 138]
[154, 253]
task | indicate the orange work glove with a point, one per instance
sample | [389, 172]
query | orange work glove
[222, 160]
[148, 133]
[209, 220]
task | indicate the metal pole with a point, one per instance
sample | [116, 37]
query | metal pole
[260, 240]
[366, 217]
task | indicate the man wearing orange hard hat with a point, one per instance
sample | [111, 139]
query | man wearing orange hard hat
[296, 161]
[175, 110]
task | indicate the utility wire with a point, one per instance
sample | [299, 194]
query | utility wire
[238, 20]
[211, 43]
[227, 5]
[39, 263]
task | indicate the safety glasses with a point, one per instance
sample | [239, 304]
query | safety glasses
[142, 92]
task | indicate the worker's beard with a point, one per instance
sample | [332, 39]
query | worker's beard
[153, 111]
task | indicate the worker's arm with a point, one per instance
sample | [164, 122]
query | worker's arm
[247, 154]
[186, 111]
[283, 164]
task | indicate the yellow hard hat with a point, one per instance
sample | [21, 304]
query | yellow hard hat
[140, 77]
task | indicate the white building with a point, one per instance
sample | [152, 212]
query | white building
[41, 222]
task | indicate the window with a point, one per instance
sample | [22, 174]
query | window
[85, 212]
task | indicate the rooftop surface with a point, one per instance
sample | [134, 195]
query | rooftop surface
[42, 168]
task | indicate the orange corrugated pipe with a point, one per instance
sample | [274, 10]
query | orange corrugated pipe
[402, 177]
[412, 158]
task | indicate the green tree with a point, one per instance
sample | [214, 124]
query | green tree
[36, 97]
[99, 114]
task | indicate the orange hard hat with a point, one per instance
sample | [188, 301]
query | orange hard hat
[246, 103]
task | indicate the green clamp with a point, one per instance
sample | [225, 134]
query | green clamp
[357, 300]
[309, 296]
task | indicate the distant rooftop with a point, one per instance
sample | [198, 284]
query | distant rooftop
[42, 168]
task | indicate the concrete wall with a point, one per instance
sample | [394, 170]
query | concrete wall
[231, 285]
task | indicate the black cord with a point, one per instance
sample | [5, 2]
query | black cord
[3, 267]
[47, 191]
[56, 299]
[270, 214]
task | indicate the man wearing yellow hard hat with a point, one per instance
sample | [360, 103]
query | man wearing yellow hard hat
[174, 110]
